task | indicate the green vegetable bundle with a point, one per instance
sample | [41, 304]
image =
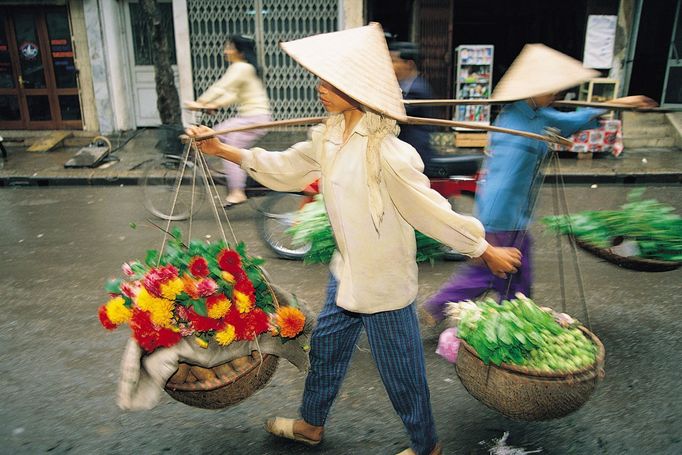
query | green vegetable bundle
[518, 332]
[311, 226]
[653, 225]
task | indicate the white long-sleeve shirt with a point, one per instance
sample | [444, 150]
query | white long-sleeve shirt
[376, 269]
[240, 86]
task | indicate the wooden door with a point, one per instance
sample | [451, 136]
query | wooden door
[38, 77]
[142, 54]
[435, 38]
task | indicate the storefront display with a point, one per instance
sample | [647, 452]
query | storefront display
[473, 82]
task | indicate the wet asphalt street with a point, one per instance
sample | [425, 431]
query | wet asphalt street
[59, 366]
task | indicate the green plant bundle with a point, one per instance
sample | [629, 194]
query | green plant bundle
[653, 225]
[312, 226]
[178, 254]
[518, 332]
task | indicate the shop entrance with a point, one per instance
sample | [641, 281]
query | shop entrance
[38, 77]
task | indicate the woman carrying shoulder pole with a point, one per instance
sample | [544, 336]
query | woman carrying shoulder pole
[376, 195]
[512, 174]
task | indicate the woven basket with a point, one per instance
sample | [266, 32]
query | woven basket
[223, 385]
[632, 262]
[524, 394]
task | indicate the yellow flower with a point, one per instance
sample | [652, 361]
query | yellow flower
[225, 336]
[201, 342]
[218, 307]
[172, 288]
[228, 277]
[161, 310]
[244, 303]
[117, 311]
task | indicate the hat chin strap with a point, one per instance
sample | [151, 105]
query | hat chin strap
[378, 128]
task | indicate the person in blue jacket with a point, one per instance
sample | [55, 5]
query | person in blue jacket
[406, 59]
[512, 173]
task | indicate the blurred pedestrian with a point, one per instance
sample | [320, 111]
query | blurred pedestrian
[241, 85]
[376, 196]
[405, 57]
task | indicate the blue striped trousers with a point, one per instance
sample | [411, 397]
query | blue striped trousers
[396, 346]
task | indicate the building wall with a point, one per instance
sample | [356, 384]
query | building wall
[85, 83]
[351, 14]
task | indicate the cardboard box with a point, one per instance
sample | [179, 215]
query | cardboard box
[471, 139]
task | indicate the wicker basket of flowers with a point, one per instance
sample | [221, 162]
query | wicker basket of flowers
[207, 321]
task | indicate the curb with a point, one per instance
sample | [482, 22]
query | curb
[127, 180]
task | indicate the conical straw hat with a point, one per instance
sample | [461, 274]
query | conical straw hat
[540, 70]
[355, 61]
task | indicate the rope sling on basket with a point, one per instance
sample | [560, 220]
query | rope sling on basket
[208, 325]
[530, 393]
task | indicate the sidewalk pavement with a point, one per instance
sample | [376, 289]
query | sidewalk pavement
[126, 163]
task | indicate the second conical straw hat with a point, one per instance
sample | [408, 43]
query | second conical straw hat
[540, 70]
[355, 61]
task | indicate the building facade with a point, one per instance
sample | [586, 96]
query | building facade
[647, 39]
[88, 64]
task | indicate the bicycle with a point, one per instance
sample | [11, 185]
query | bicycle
[454, 177]
[174, 185]
[161, 178]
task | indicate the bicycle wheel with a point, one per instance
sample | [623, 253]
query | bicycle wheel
[277, 214]
[159, 183]
[463, 204]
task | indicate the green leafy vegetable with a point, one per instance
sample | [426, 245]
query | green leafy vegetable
[518, 332]
[653, 225]
[312, 226]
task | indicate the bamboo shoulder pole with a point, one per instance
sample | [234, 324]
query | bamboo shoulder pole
[289, 122]
[559, 103]
[550, 137]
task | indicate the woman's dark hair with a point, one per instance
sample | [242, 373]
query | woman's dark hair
[247, 47]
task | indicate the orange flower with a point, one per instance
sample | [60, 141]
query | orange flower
[190, 286]
[290, 321]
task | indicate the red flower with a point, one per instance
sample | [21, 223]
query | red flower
[230, 261]
[143, 330]
[203, 323]
[168, 337]
[198, 266]
[158, 276]
[248, 325]
[149, 336]
[245, 286]
[104, 319]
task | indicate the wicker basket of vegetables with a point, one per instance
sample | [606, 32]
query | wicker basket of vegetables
[526, 362]
[643, 235]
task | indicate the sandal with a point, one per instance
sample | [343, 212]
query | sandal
[229, 205]
[284, 428]
[437, 450]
